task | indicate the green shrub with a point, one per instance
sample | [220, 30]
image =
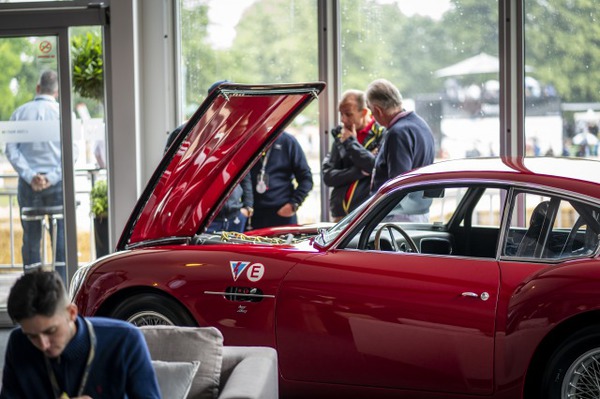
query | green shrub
[88, 65]
[99, 197]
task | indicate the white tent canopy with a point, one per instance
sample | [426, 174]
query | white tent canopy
[479, 64]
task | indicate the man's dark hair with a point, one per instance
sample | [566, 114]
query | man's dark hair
[37, 293]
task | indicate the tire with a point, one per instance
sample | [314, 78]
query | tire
[152, 310]
[574, 367]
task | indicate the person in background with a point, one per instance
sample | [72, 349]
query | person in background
[348, 166]
[408, 142]
[281, 181]
[55, 353]
[38, 164]
[234, 215]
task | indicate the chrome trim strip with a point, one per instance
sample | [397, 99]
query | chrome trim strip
[238, 294]
[160, 241]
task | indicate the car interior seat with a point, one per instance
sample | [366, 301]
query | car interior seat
[530, 241]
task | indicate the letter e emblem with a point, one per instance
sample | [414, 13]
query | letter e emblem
[255, 272]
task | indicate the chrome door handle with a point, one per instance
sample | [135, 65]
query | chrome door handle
[484, 295]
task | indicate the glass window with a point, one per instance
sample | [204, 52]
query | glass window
[89, 132]
[31, 149]
[448, 220]
[443, 57]
[31, 155]
[551, 228]
[562, 85]
[254, 42]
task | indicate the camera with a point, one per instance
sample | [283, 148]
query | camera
[336, 131]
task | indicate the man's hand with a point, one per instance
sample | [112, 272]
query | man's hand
[286, 211]
[346, 133]
[39, 182]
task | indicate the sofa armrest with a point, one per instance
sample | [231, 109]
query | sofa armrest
[249, 373]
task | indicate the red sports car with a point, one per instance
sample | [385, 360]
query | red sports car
[464, 279]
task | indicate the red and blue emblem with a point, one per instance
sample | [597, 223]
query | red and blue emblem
[237, 267]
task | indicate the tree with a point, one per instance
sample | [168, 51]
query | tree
[19, 74]
[563, 45]
[200, 63]
[276, 42]
[470, 27]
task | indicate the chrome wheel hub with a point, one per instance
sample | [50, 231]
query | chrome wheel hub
[582, 380]
[149, 318]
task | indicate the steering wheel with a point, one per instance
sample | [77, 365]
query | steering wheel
[390, 227]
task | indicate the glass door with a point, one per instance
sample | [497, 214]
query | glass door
[52, 141]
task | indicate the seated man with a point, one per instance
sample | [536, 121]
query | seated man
[57, 354]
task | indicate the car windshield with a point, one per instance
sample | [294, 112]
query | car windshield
[326, 236]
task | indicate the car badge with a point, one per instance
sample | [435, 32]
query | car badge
[237, 267]
[256, 271]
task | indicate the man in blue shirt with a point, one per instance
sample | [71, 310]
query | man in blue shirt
[57, 354]
[38, 164]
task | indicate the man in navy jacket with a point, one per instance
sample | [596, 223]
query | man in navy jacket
[57, 354]
[408, 143]
[276, 195]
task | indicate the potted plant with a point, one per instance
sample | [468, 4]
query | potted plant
[99, 208]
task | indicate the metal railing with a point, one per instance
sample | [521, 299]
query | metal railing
[84, 180]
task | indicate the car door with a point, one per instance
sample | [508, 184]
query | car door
[384, 319]
[375, 313]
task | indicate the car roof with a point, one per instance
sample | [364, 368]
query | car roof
[577, 174]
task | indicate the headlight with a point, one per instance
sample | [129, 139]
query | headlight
[77, 279]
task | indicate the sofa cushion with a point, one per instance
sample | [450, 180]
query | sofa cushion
[175, 378]
[188, 344]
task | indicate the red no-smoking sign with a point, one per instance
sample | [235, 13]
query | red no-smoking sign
[45, 47]
[46, 51]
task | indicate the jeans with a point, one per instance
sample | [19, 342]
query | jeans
[234, 223]
[32, 230]
[268, 217]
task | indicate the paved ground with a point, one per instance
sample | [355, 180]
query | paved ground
[4, 333]
[7, 279]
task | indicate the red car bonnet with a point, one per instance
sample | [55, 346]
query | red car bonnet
[216, 148]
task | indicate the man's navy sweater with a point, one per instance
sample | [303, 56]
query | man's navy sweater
[121, 367]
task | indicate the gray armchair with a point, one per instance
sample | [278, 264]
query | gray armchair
[223, 372]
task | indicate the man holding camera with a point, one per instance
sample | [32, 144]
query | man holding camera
[347, 168]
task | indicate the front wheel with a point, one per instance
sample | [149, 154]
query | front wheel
[152, 310]
[573, 371]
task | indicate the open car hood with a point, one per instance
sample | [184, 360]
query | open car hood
[211, 154]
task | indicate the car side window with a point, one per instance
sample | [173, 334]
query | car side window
[550, 227]
[438, 220]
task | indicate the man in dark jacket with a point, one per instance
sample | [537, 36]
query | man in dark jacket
[408, 143]
[347, 168]
[281, 180]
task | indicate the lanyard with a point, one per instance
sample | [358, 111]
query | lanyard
[264, 162]
[88, 365]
